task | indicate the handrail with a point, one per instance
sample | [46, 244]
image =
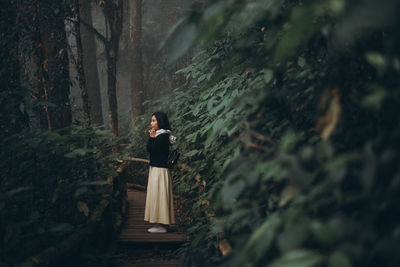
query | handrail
[138, 159]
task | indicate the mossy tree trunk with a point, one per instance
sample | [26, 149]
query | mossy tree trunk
[90, 64]
[135, 29]
[112, 11]
[54, 64]
[80, 66]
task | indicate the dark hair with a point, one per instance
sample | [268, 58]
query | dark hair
[162, 120]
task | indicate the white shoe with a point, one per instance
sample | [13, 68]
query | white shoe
[157, 230]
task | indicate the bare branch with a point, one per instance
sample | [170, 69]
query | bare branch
[91, 29]
[72, 55]
[261, 137]
[259, 147]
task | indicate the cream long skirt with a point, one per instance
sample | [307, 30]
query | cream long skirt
[159, 199]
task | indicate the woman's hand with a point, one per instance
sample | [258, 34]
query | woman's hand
[152, 133]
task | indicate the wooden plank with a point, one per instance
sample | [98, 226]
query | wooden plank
[157, 263]
[154, 236]
[136, 221]
[154, 239]
[134, 229]
[145, 241]
[158, 236]
[149, 241]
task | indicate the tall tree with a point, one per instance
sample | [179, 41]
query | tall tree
[79, 64]
[90, 64]
[12, 105]
[53, 61]
[135, 29]
[112, 11]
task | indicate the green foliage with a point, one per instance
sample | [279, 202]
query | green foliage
[51, 183]
[289, 121]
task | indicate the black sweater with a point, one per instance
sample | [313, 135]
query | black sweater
[158, 147]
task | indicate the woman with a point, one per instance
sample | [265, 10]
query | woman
[159, 199]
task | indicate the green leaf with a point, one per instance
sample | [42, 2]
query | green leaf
[80, 191]
[288, 141]
[375, 98]
[218, 125]
[191, 153]
[75, 153]
[377, 60]
[230, 191]
[268, 75]
[294, 235]
[326, 233]
[299, 31]
[261, 240]
[210, 103]
[298, 258]
[191, 137]
[301, 62]
[63, 227]
[214, 111]
[197, 109]
[339, 259]
[18, 190]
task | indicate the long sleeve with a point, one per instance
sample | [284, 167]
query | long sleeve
[157, 143]
[158, 147]
[151, 144]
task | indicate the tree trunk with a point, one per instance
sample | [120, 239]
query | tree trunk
[13, 117]
[90, 65]
[113, 13]
[41, 88]
[135, 29]
[54, 63]
[112, 92]
[79, 65]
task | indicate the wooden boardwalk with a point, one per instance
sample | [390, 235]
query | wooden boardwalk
[134, 229]
[134, 234]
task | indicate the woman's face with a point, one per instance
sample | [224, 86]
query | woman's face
[154, 123]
